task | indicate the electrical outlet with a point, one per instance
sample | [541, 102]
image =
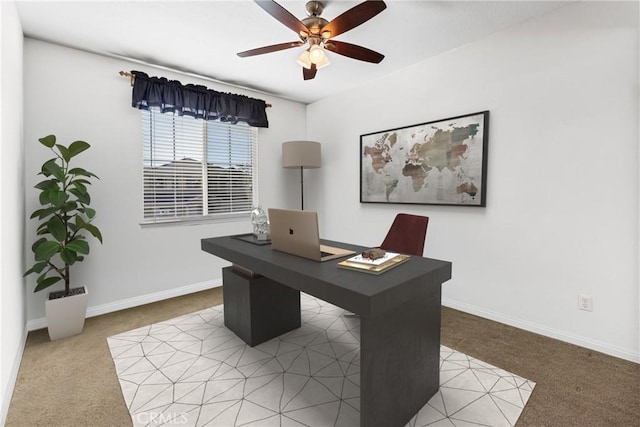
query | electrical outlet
[585, 302]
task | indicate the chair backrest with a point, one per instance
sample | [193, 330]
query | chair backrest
[407, 234]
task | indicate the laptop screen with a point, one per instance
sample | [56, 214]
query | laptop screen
[296, 232]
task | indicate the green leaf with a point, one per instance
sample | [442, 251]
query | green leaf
[79, 185]
[66, 155]
[42, 229]
[80, 188]
[37, 268]
[68, 256]
[80, 222]
[43, 213]
[43, 171]
[78, 245]
[43, 198]
[89, 212]
[83, 197]
[57, 198]
[46, 250]
[57, 229]
[81, 180]
[46, 282]
[48, 141]
[70, 206]
[37, 243]
[83, 172]
[36, 213]
[47, 184]
[93, 230]
[51, 167]
[78, 147]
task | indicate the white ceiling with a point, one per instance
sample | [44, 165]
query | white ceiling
[203, 37]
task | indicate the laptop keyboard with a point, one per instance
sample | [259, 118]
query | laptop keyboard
[324, 254]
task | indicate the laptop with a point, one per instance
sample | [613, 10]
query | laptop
[296, 232]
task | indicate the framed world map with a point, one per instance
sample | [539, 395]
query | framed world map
[443, 162]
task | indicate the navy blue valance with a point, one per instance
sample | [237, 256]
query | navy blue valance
[196, 101]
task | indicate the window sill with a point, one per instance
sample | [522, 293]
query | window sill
[217, 219]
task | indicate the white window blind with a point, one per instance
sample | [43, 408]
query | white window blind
[196, 169]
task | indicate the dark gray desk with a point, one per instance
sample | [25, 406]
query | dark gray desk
[400, 319]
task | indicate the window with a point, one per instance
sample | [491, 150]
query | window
[196, 169]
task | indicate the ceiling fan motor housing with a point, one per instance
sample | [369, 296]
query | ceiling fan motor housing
[313, 22]
[314, 8]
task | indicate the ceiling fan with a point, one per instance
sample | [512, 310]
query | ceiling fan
[318, 33]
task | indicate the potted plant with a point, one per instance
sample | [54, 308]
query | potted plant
[65, 219]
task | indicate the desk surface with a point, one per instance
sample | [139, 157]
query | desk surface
[365, 294]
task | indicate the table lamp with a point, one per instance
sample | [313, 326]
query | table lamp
[301, 154]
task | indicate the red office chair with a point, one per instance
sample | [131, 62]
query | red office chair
[407, 234]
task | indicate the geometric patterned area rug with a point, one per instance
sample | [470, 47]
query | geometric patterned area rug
[192, 371]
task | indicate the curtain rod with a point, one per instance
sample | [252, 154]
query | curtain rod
[133, 78]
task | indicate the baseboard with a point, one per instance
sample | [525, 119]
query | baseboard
[13, 377]
[98, 310]
[599, 346]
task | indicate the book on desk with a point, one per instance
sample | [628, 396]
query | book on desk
[375, 266]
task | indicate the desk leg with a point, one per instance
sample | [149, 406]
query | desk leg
[258, 309]
[400, 358]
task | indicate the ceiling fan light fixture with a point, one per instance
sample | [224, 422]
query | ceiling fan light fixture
[316, 54]
[323, 63]
[304, 59]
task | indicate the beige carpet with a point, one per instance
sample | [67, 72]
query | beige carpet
[72, 382]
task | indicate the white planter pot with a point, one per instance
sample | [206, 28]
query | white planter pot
[65, 316]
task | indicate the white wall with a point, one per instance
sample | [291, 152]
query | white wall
[78, 95]
[562, 199]
[12, 292]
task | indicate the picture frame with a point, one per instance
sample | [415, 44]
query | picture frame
[441, 162]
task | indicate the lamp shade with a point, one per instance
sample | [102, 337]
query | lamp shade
[301, 154]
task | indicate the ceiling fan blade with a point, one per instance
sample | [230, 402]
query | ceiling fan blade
[282, 15]
[269, 49]
[354, 17]
[309, 73]
[354, 51]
